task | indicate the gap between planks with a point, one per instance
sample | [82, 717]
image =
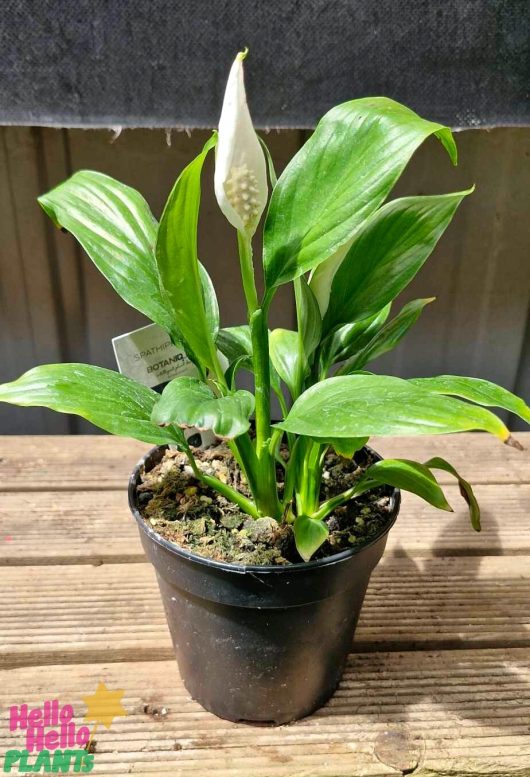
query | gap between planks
[104, 463]
[86, 527]
[78, 614]
[453, 712]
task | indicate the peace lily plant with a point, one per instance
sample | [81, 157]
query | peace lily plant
[349, 252]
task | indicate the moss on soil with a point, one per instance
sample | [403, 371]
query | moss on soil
[184, 511]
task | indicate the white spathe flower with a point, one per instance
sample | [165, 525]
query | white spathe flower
[240, 179]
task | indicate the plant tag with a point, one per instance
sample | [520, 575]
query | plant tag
[148, 356]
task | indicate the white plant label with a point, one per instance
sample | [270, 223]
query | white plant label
[148, 356]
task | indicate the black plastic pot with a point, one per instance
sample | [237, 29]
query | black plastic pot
[259, 643]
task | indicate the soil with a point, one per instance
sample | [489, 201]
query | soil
[184, 511]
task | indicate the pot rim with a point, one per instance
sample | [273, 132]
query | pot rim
[262, 569]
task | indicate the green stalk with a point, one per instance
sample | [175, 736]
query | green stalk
[222, 488]
[307, 476]
[260, 357]
[247, 272]
[314, 469]
[260, 466]
[245, 455]
[291, 473]
[329, 505]
[219, 374]
[267, 496]
[232, 495]
[285, 410]
[302, 361]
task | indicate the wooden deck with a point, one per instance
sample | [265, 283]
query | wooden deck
[438, 682]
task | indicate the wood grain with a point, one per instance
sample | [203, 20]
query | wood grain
[30, 332]
[94, 527]
[61, 462]
[476, 326]
[444, 713]
[34, 463]
[113, 612]
[55, 305]
[438, 685]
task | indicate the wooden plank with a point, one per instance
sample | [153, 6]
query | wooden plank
[82, 613]
[143, 159]
[88, 527]
[423, 530]
[39, 291]
[29, 333]
[480, 458]
[103, 462]
[491, 291]
[57, 306]
[450, 713]
[67, 253]
[67, 462]
[93, 527]
[522, 384]
[479, 270]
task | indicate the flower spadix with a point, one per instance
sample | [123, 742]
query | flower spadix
[240, 168]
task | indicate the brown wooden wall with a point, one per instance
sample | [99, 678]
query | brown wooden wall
[54, 305]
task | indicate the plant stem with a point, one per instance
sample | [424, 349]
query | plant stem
[274, 448]
[267, 496]
[285, 410]
[313, 478]
[245, 455]
[219, 374]
[282, 402]
[222, 488]
[305, 474]
[232, 495]
[261, 468]
[302, 359]
[336, 501]
[291, 472]
[247, 272]
[260, 357]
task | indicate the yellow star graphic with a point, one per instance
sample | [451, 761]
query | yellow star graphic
[104, 705]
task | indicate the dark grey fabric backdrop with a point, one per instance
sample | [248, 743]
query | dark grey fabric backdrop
[164, 63]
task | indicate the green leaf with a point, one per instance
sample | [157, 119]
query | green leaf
[386, 254]
[364, 405]
[483, 392]
[388, 336]
[189, 402]
[322, 276]
[270, 164]
[308, 317]
[285, 357]
[465, 488]
[351, 338]
[211, 306]
[408, 475]
[178, 265]
[114, 225]
[338, 179]
[235, 342]
[242, 363]
[309, 535]
[344, 446]
[107, 399]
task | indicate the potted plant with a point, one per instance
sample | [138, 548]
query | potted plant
[264, 544]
